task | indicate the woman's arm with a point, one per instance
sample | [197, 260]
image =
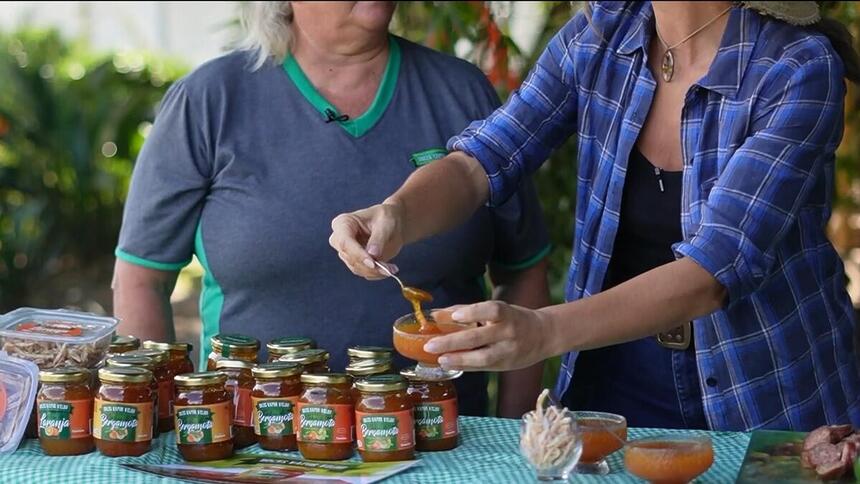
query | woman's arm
[141, 300]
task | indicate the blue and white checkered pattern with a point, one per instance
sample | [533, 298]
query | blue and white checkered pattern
[758, 134]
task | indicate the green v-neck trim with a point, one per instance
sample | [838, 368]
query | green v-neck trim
[355, 126]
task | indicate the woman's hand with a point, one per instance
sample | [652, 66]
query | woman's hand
[366, 235]
[512, 337]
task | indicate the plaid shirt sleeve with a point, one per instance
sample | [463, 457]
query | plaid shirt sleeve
[758, 196]
[518, 137]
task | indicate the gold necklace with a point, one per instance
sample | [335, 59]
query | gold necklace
[667, 68]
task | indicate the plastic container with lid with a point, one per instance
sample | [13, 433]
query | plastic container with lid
[273, 398]
[123, 412]
[384, 423]
[178, 355]
[284, 346]
[360, 353]
[55, 338]
[436, 426]
[18, 382]
[240, 383]
[120, 344]
[204, 416]
[326, 417]
[233, 347]
[163, 374]
[65, 411]
[313, 361]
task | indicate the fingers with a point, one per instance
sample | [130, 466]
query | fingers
[346, 229]
[383, 227]
[488, 311]
[477, 360]
[463, 340]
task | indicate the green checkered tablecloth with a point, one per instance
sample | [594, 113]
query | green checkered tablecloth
[488, 453]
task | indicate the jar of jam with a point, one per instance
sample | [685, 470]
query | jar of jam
[145, 362]
[326, 417]
[284, 346]
[435, 402]
[164, 376]
[361, 353]
[178, 355]
[240, 383]
[204, 416]
[123, 343]
[364, 368]
[384, 423]
[123, 411]
[313, 361]
[64, 406]
[232, 347]
[276, 391]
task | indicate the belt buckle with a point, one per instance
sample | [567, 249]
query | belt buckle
[676, 338]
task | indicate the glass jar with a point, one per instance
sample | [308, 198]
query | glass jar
[123, 412]
[240, 383]
[64, 406]
[276, 391]
[130, 361]
[313, 361]
[164, 376]
[361, 353]
[204, 416]
[284, 346]
[436, 426]
[178, 355]
[384, 423]
[123, 343]
[364, 368]
[232, 347]
[326, 417]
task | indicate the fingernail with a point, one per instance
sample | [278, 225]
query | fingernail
[431, 347]
[457, 315]
[369, 263]
[373, 249]
[444, 361]
[393, 268]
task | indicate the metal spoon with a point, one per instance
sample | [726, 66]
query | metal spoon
[384, 269]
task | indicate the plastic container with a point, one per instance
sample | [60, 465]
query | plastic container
[56, 338]
[18, 382]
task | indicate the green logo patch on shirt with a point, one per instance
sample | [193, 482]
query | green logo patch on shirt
[421, 158]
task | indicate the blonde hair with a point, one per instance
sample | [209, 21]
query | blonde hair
[268, 31]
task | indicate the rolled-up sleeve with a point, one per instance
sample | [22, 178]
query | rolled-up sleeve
[519, 136]
[767, 181]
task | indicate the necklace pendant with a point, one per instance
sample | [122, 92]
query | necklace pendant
[667, 68]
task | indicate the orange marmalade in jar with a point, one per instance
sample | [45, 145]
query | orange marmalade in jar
[276, 391]
[178, 355]
[384, 423]
[123, 412]
[313, 361]
[145, 362]
[64, 407]
[232, 347]
[164, 376]
[285, 346]
[240, 383]
[122, 344]
[326, 417]
[435, 402]
[365, 368]
[203, 416]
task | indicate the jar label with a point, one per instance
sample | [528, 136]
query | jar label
[385, 432]
[122, 422]
[242, 406]
[65, 419]
[274, 417]
[203, 424]
[437, 420]
[165, 399]
[325, 423]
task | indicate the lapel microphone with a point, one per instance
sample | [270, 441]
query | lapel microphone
[333, 116]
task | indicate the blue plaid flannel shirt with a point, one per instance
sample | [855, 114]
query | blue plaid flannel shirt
[758, 135]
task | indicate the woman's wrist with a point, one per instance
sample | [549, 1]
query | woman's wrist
[552, 332]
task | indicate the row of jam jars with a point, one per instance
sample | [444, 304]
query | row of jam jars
[232, 347]
[313, 360]
[164, 373]
[203, 416]
[284, 346]
[178, 355]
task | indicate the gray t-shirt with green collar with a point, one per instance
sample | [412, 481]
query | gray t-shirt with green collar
[242, 169]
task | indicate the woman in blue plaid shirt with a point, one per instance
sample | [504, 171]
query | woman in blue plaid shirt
[735, 111]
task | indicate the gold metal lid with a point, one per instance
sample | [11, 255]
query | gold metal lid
[234, 364]
[201, 379]
[121, 343]
[223, 343]
[131, 361]
[306, 357]
[325, 378]
[69, 374]
[370, 352]
[283, 346]
[159, 357]
[381, 383]
[125, 375]
[369, 367]
[156, 345]
[277, 369]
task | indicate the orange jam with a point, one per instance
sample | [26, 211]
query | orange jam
[384, 422]
[240, 383]
[415, 297]
[123, 412]
[600, 437]
[669, 461]
[233, 347]
[130, 361]
[178, 355]
[284, 346]
[313, 361]
[436, 426]
[326, 417]
[410, 336]
[203, 416]
[277, 387]
[121, 344]
[64, 406]
[164, 374]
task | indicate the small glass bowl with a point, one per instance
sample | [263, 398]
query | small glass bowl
[568, 454]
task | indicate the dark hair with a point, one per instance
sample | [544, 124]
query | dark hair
[843, 43]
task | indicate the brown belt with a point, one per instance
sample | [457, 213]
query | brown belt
[677, 338]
